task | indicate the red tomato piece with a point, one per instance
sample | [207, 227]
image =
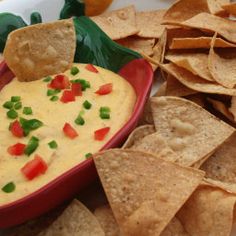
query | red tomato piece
[17, 149]
[67, 96]
[91, 68]
[100, 134]
[60, 82]
[16, 129]
[69, 131]
[34, 168]
[76, 89]
[104, 89]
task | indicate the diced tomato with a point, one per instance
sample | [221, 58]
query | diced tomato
[100, 134]
[17, 149]
[35, 167]
[60, 82]
[16, 129]
[91, 68]
[67, 96]
[76, 89]
[69, 131]
[104, 89]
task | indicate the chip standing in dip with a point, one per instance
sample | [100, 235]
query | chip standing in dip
[50, 125]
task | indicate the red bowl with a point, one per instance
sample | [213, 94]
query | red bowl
[140, 75]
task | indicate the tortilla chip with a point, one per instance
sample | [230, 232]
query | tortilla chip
[175, 88]
[138, 134]
[144, 209]
[75, 220]
[229, 187]
[200, 42]
[190, 130]
[195, 82]
[197, 63]
[39, 50]
[208, 212]
[162, 90]
[215, 7]
[119, 23]
[230, 8]
[107, 221]
[197, 164]
[138, 44]
[224, 27]
[146, 117]
[153, 20]
[222, 69]
[232, 108]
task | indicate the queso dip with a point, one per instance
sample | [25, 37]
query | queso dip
[61, 126]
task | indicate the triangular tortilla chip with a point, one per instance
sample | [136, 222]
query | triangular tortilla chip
[229, 187]
[144, 191]
[154, 29]
[119, 23]
[75, 220]
[195, 82]
[107, 220]
[190, 130]
[197, 63]
[208, 212]
[230, 8]
[39, 50]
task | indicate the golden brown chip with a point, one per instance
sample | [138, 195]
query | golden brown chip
[75, 220]
[197, 63]
[107, 220]
[200, 162]
[190, 130]
[230, 8]
[195, 82]
[232, 108]
[119, 23]
[138, 44]
[229, 187]
[146, 117]
[162, 90]
[144, 209]
[39, 50]
[208, 212]
[222, 69]
[138, 134]
[215, 7]
[149, 23]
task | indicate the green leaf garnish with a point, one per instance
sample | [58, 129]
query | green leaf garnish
[31, 146]
[9, 187]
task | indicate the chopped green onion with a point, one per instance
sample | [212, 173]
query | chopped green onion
[18, 105]
[79, 120]
[54, 98]
[27, 111]
[52, 92]
[8, 105]
[47, 79]
[31, 146]
[88, 155]
[87, 105]
[74, 70]
[104, 115]
[12, 114]
[29, 125]
[104, 109]
[84, 84]
[15, 98]
[53, 144]
[9, 188]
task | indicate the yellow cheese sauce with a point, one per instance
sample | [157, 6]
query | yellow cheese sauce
[54, 115]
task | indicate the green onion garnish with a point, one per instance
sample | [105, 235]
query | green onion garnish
[74, 70]
[53, 144]
[104, 115]
[88, 155]
[27, 111]
[54, 98]
[84, 84]
[47, 79]
[18, 105]
[29, 125]
[87, 105]
[9, 188]
[79, 120]
[52, 92]
[31, 146]
[15, 98]
[12, 114]
[8, 105]
[104, 109]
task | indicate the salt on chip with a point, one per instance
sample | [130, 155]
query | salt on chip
[190, 130]
[208, 212]
[149, 23]
[119, 23]
[197, 63]
[195, 82]
[222, 69]
[138, 134]
[75, 220]
[39, 50]
[230, 8]
[145, 208]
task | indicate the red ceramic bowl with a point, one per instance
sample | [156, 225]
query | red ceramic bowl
[140, 75]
